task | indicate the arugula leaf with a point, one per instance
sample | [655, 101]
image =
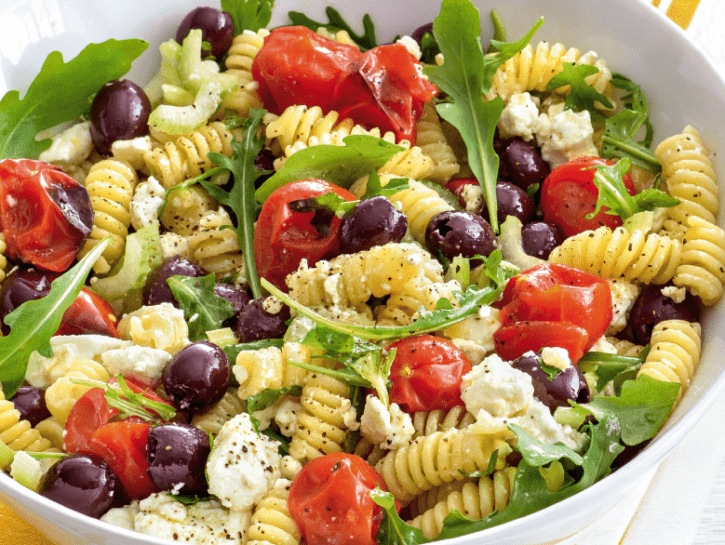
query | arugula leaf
[269, 396]
[375, 188]
[202, 308]
[188, 500]
[376, 369]
[340, 165]
[240, 198]
[488, 471]
[536, 453]
[608, 367]
[464, 76]
[428, 48]
[33, 323]
[233, 350]
[248, 14]
[582, 96]
[336, 23]
[60, 92]
[499, 30]
[393, 530]
[345, 374]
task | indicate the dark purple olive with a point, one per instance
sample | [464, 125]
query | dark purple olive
[120, 111]
[521, 163]
[419, 32]
[177, 456]
[83, 483]
[569, 384]
[652, 307]
[217, 28]
[373, 222]
[264, 161]
[198, 376]
[538, 238]
[262, 319]
[238, 298]
[157, 290]
[457, 232]
[512, 201]
[628, 454]
[23, 285]
[30, 402]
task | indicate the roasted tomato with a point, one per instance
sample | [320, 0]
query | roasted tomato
[426, 373]
[284, 237]
[45, 214]
[89, 412]
[569, 194]
[331, 504]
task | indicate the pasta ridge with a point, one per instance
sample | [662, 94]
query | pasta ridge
[702, 267]
[240, 57]
[272, 523]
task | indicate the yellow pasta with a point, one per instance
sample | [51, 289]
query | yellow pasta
[3, 259]
[299, 124]
[17, 433]
[53, 431]
[420, 204]
[433, 143]
[257, 370]
[430, 498]
[184, 208]
[429, 422]
[212, 420]
[215, 244]
[404, 307]
[63, 393]
[702, 267]
[272, 523]
[156, 326]
[239, 62]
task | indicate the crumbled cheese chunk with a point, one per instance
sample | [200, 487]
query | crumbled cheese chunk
[389, 428]
[349, 415]
[564, 135]
[272, 305]
[123, 517]
[147, 199]
[173, 244]
[71, 147]
[290, 467]
[284, 413]
[624, 295]
[411, 45]
[243, 465]
[556, 357]
[139, 362]
[603, 345]
[496, 387]
[520, 117]
[132, 150]
[676, 294]
[478, 328]
[472, 195]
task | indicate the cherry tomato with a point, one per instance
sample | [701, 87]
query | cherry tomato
[426, 373]
[384, 89]
[552, 293]
[458, 185]
[45, 214]
[298, 66]
[88, 315]
[569, 194]
[89, 413]
[122, 445]
[283, 237]
[516, 339]
[331, 504]
[140, 388]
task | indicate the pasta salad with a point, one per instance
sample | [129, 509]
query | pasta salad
[306, 288]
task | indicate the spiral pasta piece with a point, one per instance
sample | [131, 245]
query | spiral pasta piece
[17, 433]
[53, 431]
[430, 498]
[272, 523]
[702, 267]
[675, 353]
[429, 422]
[257, 370]
[625, 347]
[240, 57]
[187, 155]
[215, 245]
[433, 143]
[184, 208]
[322, 425]
[299, 124]
[439, 458]
[417, 295]
[63, 393]
[156, 326]
[420, 204]
[474, 500]
[648, 258]
[212, 420]
[689, 176]
[110, 184]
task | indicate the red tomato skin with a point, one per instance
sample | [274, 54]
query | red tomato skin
[426, 374]
[139, 387]
[283, 237]
[568, 194]
[35, 228]
[331, 504]
[88, 414]
[89, 314]
[514, 340]
[456, 187]
[123, 447]
[298, 66]
[384, 89]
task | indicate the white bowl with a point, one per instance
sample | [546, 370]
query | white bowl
[636, 40]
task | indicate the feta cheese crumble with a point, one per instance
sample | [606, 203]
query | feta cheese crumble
[390, 428]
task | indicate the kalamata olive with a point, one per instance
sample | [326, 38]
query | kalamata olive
[197, 376]
[538, 238]
[262, 319]
[23, 285]
[522, 163]
[457, 232]
[653, 307]
[157, 291]
[177, 456]
[30, 402]
[83, 483]
[569, 384]
[373, 222]
[217, 28]
[264, 161]
[512, 201]
[238, 298]
[120, 111]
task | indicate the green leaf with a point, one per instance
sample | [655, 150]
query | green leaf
[492, 461]
[464, 76]
[203, 309]
[33, 323]
[608, 367]
[61, 92]
[240, 198]
[336, 23]
[499, 30]
[248, 14]
[582, 96]
[393, 530]
[268, 396]
[340, 165]
[536, 453]
[188, 500]
[551, 371]
[375, 367]
[374, 187]
[233, 350]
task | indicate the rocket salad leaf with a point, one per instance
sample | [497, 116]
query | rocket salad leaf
[248, 14]
[582, 96]
[203, 309]
[336, 23]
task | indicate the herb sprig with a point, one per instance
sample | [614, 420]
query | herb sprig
[336, 23]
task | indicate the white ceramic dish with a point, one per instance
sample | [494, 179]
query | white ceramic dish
[634, 39]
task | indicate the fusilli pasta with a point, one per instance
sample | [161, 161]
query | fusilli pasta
[63, 393]
[433, 143]
[239, 62]
[702, 266]
[257, 370]
[272, 523]
[156, 326]
[299, 124]
[212, 420]
[215, 245]
[420, 204]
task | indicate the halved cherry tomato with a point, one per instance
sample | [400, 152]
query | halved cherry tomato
[89, 314]
[331, 504]
[569, 194]
[298, 66]
[45, 214]
[384, 89]
[122, 445]
[89, 412]
[283, 237]
[553, 294]
[426, 373]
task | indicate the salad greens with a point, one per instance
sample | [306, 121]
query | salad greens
[336, 23]
[582, 95]
[248, 14]
[203, 309]
[393, 531]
